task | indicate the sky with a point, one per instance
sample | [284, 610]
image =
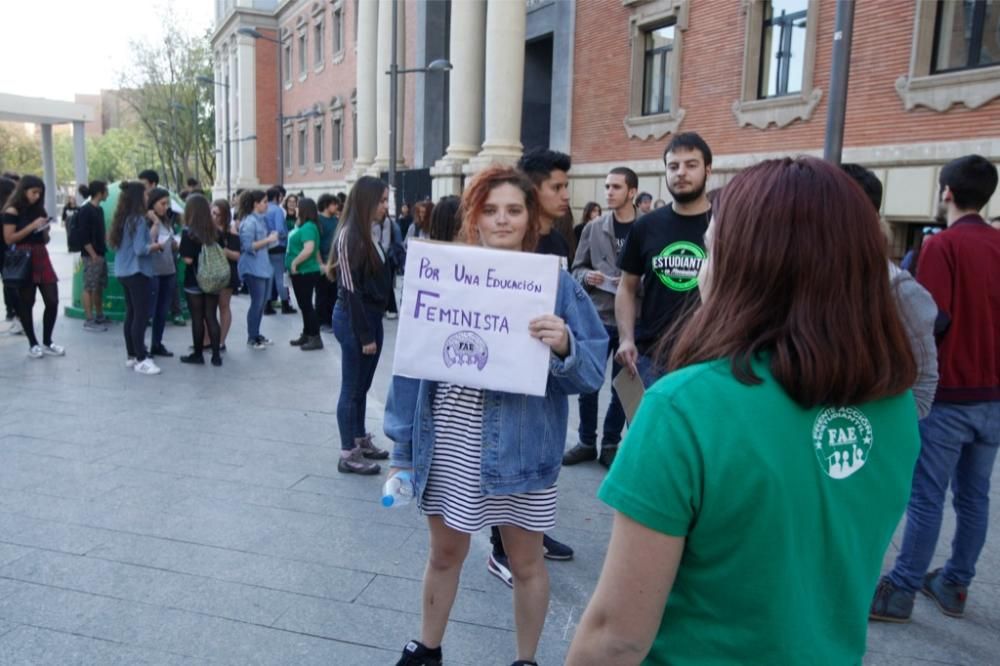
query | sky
[63, 47]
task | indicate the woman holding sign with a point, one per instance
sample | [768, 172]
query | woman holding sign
[364, 287]
[442, 433]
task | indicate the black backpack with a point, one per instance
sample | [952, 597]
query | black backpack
[75, 233]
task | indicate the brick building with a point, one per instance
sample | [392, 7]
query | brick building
[608, 81]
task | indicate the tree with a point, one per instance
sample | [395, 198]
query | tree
[19, 151]
[120, 153]
[175, 111]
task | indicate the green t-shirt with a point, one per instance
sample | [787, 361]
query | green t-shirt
[787, 513]
[307, 231]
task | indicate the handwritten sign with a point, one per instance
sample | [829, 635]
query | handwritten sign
[465, 313]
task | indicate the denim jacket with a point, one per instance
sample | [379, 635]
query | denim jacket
[254, 262]
[523, 436]
[132, 255]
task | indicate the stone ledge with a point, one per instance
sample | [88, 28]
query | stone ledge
[779, 111]
[653, 127]
[973, 88]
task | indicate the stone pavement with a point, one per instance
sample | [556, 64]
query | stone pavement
[198, 517]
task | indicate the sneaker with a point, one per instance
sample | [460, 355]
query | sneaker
[299, 341]
[130, 362]
[102, 319]
[891, 604]
[264, 341]
[160, 350]
[326, 328]
[256, 344]
[194, 358]
[498, 566]
[286, 308]
[580, 453]
[147, 367]
[392, 315]
[35, 352]
[15, 328]
[950, 598]
[607, 456]
[555, 550]
[313, 343]
[178, 320]
[417, 654]
[355, 463]
[53, 350]
[269, 309]
[94, 326]
[368, 448]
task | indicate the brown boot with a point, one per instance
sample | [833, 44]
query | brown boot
[368, 448]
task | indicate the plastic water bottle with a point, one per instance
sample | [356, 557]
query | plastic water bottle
[398, 490]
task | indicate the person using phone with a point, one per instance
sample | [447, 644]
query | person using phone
[25, 226]
[254, 265]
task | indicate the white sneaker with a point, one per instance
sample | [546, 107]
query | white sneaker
[15, 328]
[147, 367]
[36, 352]
[130, 362]
[392, 315]
[53, 350]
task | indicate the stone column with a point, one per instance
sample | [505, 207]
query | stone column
[246, 111]
[49, 170]
[79, 155]
[465, 95]
[366, 79]
[505, 30]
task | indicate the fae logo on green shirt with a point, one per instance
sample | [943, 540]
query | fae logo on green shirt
[843, 439]
[677, 265]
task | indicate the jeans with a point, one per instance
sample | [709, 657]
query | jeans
[356, 373]
[138, 294]
[614, 420]
[649, 372]
[258, 287]
[958, 443]
[162, 290]
[278, 279]
[304, 285]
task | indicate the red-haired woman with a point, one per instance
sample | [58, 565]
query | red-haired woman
[762, 478]
[441, 430]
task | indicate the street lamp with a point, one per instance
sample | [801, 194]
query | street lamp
[208, 81]
[250, 32]
[440, 65]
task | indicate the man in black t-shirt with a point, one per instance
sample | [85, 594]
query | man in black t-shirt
[90, 218]
[548, 170]
[664, 252]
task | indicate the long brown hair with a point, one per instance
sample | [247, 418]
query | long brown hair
[198, 219]
[226, 213]
[422, 215]
[799, 270]
[478, 191]
[131, 208]
[356, 225]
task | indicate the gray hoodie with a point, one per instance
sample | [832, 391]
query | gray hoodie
[918, 312]
[596, 252]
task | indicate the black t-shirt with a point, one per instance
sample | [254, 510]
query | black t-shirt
[621, 232]
[23, 219]
[667, 250]
[554, 243]
[90, 219]
[191, 249]
[231, 241]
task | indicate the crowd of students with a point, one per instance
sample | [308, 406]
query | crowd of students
[801, 391]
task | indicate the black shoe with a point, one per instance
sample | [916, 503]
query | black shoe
[299, 341]
[580, 453]
[216, 360]
[607, 456]
[312, 343]
[555, 550]
[160, 350]
[286, 308]
[269, 309]
[524, 662]
[417, 654]
[194, 358]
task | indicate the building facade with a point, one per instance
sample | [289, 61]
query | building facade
[609, 81]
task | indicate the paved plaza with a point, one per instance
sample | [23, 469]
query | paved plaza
[198, 517]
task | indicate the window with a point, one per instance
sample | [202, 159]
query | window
[966, 35]
[318, 142]
[303, 59]
[287, 64]
[782, 48]
[319, 40]
[657, 71]
[338, 29]
[337, 133]
[288, 149]
[778, 62]
[656, 34]
[955, 57]
[302, 147]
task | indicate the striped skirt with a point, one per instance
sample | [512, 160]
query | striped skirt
[454, 488]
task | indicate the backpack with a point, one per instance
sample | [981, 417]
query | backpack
[75, 233]
[213, 269]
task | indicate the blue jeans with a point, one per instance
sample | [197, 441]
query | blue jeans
[614, 420]
[357, 371]
[278, 292]
[161, 296]
[649, 372]
[258, 287]
[959, 444]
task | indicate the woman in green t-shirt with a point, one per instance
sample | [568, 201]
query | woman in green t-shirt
[763, 476]
[302, 263]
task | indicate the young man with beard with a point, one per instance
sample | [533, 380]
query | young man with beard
[664, 252]
[596, 267]
[548, 170]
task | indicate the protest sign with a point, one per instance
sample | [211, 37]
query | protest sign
[465, 313]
